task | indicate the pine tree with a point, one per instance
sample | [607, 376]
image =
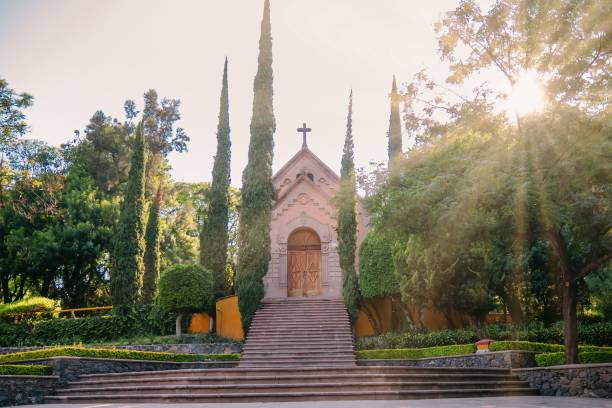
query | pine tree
[129, 246]
[395, 131]
[214, 236]
[347, 219]
[151, 255]
[257, 188]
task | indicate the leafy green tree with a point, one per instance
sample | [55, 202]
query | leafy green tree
[185, 289]
[347, 218]
[567, 43]
[257, 188]
[214, 236]
[395, 127]
[104, 152]
[128, 267]
[12, 118]
[183, 214]
[152, 254]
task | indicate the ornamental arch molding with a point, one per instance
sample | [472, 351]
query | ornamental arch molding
[325, 235]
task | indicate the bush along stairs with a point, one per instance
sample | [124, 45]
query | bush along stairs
[296, 350]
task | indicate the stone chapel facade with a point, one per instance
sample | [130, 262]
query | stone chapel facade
[304, 242]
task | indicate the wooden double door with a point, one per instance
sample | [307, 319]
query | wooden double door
[303, 264]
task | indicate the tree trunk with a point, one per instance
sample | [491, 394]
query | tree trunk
[179, 329]
[514, 307]
[421, 312]
[570, 322]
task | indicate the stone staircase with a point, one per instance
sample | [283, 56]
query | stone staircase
[290, 384]
[296, 350]
[299, 333]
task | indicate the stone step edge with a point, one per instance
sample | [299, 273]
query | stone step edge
[431, 377]
[435, 393]
[518, 383]
[366, 370]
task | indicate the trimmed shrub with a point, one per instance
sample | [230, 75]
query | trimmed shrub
[18, 334]
[428, 352]
[114, 353]
[376, 270]
[26, 307]
[597, 334]
[185, 289]
[139, 320]
[6, 369]
[417, 340]
[525, 346]
[585, 357]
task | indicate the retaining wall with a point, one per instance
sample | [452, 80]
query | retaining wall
[576, 380]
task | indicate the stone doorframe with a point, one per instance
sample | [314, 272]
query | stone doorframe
[303, 221]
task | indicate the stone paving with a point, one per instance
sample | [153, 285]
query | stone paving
[500, 402]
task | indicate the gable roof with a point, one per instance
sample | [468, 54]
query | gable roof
[301, 180]
[305, 151]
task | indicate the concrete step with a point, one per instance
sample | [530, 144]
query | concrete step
[297, 349]
[281, 372]
[289, 379]
[291, 353]
[272, 388]
[288, 396]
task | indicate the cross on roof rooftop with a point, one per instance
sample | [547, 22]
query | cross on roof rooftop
[304, 130]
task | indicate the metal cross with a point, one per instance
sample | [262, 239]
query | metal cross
[304, 130]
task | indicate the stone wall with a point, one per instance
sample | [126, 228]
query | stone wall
[497, 359]
[579, 380]
[25, 389]
[70, 368]
[195, 348]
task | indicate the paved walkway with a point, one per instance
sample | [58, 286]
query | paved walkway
[499, 402]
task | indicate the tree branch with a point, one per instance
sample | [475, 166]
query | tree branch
[591, 266]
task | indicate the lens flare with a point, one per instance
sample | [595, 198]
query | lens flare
[527, 94]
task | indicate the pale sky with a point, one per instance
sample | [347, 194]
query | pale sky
[77, 57]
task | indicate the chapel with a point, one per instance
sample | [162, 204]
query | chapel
[303, 235]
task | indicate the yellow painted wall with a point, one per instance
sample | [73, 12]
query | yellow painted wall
[228, 323]
[200, 323]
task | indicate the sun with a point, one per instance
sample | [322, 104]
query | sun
[527, 94]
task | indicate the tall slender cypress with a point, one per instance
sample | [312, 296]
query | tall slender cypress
[347, 218]
[129, 247]
[151, 255]
[257, 188]
[395, 130]
[214, 236]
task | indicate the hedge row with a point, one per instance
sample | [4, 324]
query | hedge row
[142, 320]
[598, 334]
[114, 353]
[6, 369]
[584, 357]
[540, 347]
[428, 352]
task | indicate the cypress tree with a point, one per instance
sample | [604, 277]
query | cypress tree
[395, 131]
[257, 188]
[214, 237]
[129, 246]
[347, 219]
[151, 255]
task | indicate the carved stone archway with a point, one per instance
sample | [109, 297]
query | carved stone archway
[304, 221]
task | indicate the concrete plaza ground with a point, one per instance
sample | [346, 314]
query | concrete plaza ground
[498, 402]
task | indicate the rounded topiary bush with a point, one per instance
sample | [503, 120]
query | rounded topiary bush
[26, 308]
[185, 289]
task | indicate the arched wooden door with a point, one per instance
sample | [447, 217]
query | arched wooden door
[303, 263]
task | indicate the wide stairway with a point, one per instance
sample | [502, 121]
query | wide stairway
[296, 350]
[299, 333]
